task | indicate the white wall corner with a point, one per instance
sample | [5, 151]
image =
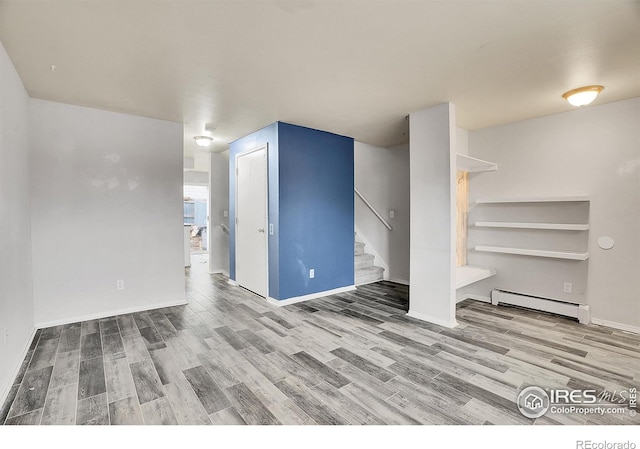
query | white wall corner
[17, 364]
[433, 215]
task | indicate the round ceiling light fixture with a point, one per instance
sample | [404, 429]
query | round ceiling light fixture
[582, 96]
[203, 141]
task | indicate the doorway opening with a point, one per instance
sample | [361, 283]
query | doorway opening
[196, 215]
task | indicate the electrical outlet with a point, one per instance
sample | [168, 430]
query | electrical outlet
[568, 286]
[312, 273]
[120, 284]
[225, 213]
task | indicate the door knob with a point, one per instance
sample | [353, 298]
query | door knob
[261, 230]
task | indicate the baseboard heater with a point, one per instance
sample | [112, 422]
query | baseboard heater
[579, 311]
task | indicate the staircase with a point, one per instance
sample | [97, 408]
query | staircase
[365, 271]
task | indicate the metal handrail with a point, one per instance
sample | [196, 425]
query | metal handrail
[373, 209]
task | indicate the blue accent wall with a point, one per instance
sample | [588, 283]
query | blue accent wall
[311, 207]
[316, 210]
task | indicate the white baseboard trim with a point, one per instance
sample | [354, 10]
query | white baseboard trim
[296, 299]
[4, 394]
[398, 281]
[219, 271]
[615, 325]
[96, 316]
[473, 296]
[430, 319]
[370, 282]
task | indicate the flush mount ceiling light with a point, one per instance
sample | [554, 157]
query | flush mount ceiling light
[203, 141]
[582, 96]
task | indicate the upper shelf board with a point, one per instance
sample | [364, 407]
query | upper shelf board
[542, 199]
[473, 165]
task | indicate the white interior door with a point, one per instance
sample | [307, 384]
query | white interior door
[251, 221]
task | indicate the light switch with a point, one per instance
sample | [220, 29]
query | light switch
[392, 214]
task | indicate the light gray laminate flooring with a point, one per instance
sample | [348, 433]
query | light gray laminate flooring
[228, 357]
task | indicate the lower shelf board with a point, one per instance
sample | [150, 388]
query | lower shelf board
[468, 274]
[570, 255]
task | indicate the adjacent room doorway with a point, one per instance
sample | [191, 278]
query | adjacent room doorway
[196, 213]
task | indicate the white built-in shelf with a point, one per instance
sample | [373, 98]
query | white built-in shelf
[548, 199]
[516, 225]
[473, 165]
[534, 252]
[468, 274]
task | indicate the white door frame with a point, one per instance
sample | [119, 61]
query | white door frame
[264, 147]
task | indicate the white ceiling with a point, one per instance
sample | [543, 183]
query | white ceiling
[350, 67]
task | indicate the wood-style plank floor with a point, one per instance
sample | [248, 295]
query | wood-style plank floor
[355, 358]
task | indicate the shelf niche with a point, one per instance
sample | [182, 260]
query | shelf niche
[467, 274]
[521, 213]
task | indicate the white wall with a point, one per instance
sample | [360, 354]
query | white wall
[193, 177]
[218, 204]
[593, 151]
[106, 205]
[432, 150]
[16, 299]
[382, 176]
[462, 141]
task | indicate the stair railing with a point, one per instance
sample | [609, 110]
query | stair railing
[373, 209]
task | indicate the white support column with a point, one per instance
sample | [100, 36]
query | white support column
[218, 204]
[432, 293]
